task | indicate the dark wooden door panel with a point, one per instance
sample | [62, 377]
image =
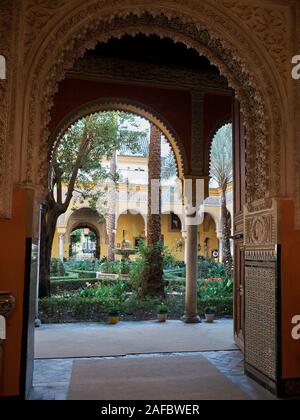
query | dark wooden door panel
[239, 202]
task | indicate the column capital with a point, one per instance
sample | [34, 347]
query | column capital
[61, 231]
[193, 198]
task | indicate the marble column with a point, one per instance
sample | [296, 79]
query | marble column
[194, 193]
[220, 239]
[191, 307]
[184, 236]
[62, 247]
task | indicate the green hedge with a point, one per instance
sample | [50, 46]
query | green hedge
[224, 306]
[79, 309]
[67, 276]
[84, 274]
[73, 284]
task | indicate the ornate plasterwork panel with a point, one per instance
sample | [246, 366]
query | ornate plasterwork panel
[236, 36]
[38, 14]
[261, 228]
[191, 35]
[270, 24]
[112, 69]
[6, 47]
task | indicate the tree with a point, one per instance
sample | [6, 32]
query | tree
[221, 172]
[76, 168]
[153, 284]
[111, 216]
[168, 166]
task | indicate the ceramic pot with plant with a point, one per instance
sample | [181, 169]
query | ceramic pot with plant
[113, 314]
[162, 313]
[210, 314]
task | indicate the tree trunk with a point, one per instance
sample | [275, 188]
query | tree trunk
[154, 177]
[111, 218]
[153, 284]
[48, 226]
[226, 234]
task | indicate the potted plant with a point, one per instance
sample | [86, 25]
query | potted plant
[113, 313]
[210, 314]
[162, 313]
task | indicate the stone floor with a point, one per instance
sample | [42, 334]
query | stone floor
[52, 376]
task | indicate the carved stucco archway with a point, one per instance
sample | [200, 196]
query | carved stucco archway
[132, 107]
[240, 59]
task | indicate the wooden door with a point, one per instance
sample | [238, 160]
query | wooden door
[239, 202]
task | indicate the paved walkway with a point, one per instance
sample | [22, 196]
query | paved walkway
[128, 338]
[52, 378]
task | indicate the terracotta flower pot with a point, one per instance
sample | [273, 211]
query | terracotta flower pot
[210, 318]
[113, 319]
[162, 317]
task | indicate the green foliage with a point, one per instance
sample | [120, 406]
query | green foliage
[114, 307]
[116, 267]
[162, 309]
[84, 265]
[210, 268]
[64, 285]
[209, 310]
[91, 300]
[223, 306]
[168, 166]
[76, 236]
[81, 309]
[103, 293]
[57, 268]
[169, 261]
[147, 270]
[214, 288]
[89, 140]
[221, 157]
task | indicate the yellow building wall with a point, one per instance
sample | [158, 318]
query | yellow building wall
[55, 246]
[130, 226]
[171, 238]
[206, 230]
[103, 251]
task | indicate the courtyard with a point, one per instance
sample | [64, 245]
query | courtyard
[149, 169]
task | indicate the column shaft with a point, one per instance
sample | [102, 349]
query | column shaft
[62, 247]
[191, 307]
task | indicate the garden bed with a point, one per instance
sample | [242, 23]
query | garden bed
[79, 296]
[78, 309]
